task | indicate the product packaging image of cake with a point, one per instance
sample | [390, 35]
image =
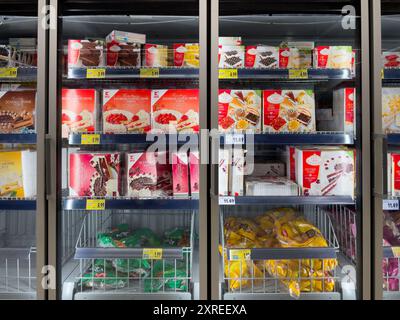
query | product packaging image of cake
[95, 174]
[266, 168]
[288, 111]
[175, 110]
[180, 174]
[17, 111]
[262, 56]
[391, 110]
[155, 55]
[85, 53]
[124, 48]
[17, 174]
[239, 110]
[391, 60]
[291, 162]
[194, 170]
[126, 111]
[78, 111]
[231, 56]
[296, 55]
[186, 55]
[394, 174]
[333, 57]
[325, 171]
[147, 175]
[343, 112]
[224, 167]
[236, 176]
[229, 41]
[289, 58]
[271, 186]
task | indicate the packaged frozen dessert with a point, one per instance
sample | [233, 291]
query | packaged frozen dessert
[271, 186]
[17, 174]
[262, 56]
[85, 53]
[224, 167]
[295, 55]
[17, 111]
[343, 112]
[325, 171]
[393, 172]
[266, 168]
[236, 177]
[391, 59]
[231, 56]
[239, 110]
[126, 111]
[94, 174]
[333, 57]
[391, 110]
[5, 52]
[194, 169]
[147, 175]
[229, 41]
[124, 48]
[288, 111]
[180, 174]
[155, 55]
[186, 55]
[78, 111]
[175, 110]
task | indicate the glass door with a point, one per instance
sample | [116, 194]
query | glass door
[128, 105]
[291, 179]
[22, 103]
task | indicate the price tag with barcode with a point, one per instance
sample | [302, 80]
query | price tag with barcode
[98, 73]
[390, 205]
[95, 204]
[240, 254]
[298, 74]
[152, 254]
[149, 73]
[234, 139]
[227, 201]
[228, 74]
[8, 72]
[90, 138]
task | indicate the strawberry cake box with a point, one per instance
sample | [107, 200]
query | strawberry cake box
[78, 111]
[180, 174]
[126, 111]
[95, 174]
[175, 111]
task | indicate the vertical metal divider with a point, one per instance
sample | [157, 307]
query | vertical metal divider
[378, 139]
[41, 118]
[203, 179]
[365, 270]
[214, 216]
[53, 159]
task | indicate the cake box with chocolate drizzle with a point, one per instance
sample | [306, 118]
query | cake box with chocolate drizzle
[261, 56]
[17, 111]
[325, 171]
[95, 174]
[288, 111]
[124, 48]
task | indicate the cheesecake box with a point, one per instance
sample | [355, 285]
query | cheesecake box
[180, 174]
[85, 53]
[333, 57]
[186, 55]
[262, 56]
[155, 55]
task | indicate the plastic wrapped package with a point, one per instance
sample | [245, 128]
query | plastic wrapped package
[390, 269]
[177, 237]
[102, 275]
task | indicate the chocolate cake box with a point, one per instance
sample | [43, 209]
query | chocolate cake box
[17, 111]
[95, 174]
[85, 53]
[261, 56]
[325, 171]
[231, 56]
[124, 48]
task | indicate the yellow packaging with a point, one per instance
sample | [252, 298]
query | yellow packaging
[11, 184]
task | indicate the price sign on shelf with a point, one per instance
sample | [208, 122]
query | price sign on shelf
[149, 73]
[90, 138]
[390, 205]
[228, 73]
[95, 204]
[298, 74]
[240, 254]
[234, 139]
[8, 72]
[227, 201]
[97, 73]
[152, 254]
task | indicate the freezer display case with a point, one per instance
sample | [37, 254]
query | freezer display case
[291, 196]
[22, 230]
[127, 103]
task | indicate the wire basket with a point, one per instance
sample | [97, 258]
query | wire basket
[127, 268]
[283, 270]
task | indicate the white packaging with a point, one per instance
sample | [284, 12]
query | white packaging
[391, 110]
[261, 56]
[333, 57]
[123, 36]
[236, 179]
[225, 160]
[28, 158]
[271, 186]
[231, 56]
[229, 41]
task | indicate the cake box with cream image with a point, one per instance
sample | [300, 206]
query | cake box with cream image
[289, 111]
[239, 110]
[186, 55]
[175, 110]
[262, 56]
[94, 174]
[391, 110]
[85, 53]
[333, 57]
[126, 111]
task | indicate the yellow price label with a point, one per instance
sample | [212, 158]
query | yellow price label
[95, 204]
[152, 254]
[298, 74]
[149, 73]
[90, 138]
[228, 74]
[383, 73]
[8, 72]
[97, 73]
[240, 254]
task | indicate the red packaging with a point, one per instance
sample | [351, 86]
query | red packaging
[180, 174]
[194, 168]
[78, 111]
[179, 54]
[94, 174]
[394, 174]
[85, 53]
[155, 55]
[250, 57]
[291, 163]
